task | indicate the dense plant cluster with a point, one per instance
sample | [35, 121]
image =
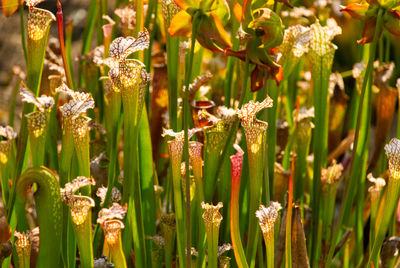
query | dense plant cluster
[204, 133]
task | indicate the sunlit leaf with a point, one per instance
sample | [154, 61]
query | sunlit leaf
[32, 3]
[122, 47]
[181, 24]
[27, 95]
[10, 6]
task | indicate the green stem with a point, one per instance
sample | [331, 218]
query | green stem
[51, 142]
[321, 70]
[270, 246]
[255, 137]
[68, 236]
[117, 256]
[147, 178]
[197, 165]
[360, 135]
[12, 102]
[88, 35]
[132, 186]
[172, 70]
[22, 28]
[328, 209]
[288, 233]
[375, 196]
[384, 217]
[273, 92]
[301, 169]
[48, 207]
[212, 244]
[83, 233]
[186, 108]
[180, 226]
[81, 145]
[113, 121]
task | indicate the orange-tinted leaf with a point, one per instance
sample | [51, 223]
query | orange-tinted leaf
[246, 13]
[278, 74]
[368, 32]
[188, 4]
[220, 36]
[237, 11]
[208, 43]
[257, 79]
[211, 33]
[10, 6]
[221, 9]
[181, 24]
[356, 11]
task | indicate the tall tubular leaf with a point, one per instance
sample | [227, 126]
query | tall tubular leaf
[320, 55]
[236, 173]
[130, 77]
[255, 131]
[169, 10]
[175, 148]
[38, 29]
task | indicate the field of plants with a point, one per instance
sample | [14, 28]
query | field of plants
[200, 133]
